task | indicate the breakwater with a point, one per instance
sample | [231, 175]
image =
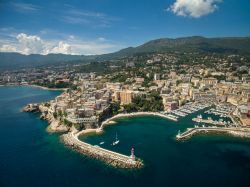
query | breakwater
[111, 158]
[240, 132]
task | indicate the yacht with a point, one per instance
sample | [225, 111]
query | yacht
[179, 134]
[116, 140]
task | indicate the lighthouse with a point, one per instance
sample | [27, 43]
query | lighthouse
[133, 154]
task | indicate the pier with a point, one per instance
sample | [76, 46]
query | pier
[240, 132]
[111, 158]
[209, 122]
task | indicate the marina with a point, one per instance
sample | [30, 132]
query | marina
[221, 111]
[188, 109]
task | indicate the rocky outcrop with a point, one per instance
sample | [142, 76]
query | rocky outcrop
[54, 124]
[31, 108]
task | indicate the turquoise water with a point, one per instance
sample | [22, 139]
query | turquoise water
[32, 157]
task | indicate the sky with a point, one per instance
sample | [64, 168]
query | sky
[103, 26]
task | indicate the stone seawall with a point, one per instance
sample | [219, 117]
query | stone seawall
[238, 132]
[109, 157]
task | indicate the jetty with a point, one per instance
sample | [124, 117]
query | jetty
[240, 132]
[209, 122]
[110, 157]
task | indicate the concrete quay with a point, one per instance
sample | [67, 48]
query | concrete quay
[240, 132]
[111, 158]
[208, 121]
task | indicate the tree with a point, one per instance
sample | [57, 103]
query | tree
[112, 110]
[130, 108]
[67, 123]
[78, 126]
[55, 115]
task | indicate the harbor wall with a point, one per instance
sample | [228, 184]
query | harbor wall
[109, 157]
[239, 132]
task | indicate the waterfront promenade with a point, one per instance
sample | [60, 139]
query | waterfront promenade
[109, 157]
[240, 132]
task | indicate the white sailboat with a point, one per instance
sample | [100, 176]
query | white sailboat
[101, 143]
[116, 140]
[179, 134]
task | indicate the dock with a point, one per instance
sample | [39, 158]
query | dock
[110, 157]
[240, 132]
[209, 121]
[188, 109]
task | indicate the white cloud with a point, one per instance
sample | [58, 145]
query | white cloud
[8, 48]
[102, 39]
[25, 7]
[30, 44]
[33, 44]
[194, 8]
[61, 48]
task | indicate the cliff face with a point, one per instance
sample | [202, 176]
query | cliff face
[54, 124]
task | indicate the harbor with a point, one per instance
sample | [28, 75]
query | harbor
[222, 111]
[186, 110]
[220, 116]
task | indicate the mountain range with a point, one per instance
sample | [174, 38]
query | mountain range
[223, 45]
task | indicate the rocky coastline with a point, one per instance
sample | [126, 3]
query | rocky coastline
[54, 124]
[31, 108]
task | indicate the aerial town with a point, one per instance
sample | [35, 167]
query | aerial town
[133, 93]
[157, 84]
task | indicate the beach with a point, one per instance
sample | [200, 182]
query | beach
[45, 88]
